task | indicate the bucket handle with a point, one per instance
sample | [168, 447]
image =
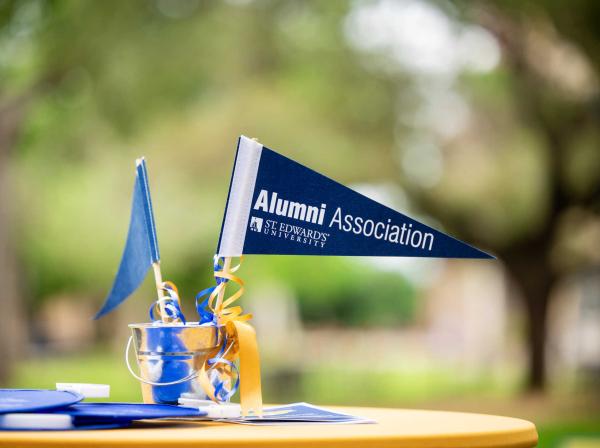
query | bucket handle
[191, 376]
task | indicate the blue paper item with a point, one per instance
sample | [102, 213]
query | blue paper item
[141, 248]
[97, 426]
[92, 426]
[35, 400]
[302, 413]
[278, 206]
[305, 411]
[88, 413]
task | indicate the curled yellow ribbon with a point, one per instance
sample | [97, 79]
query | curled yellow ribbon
[240, 345]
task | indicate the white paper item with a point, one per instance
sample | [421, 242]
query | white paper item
[86, 389]
[35, 421]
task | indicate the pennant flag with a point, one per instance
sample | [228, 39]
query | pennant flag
[278, 206]
[141, 249]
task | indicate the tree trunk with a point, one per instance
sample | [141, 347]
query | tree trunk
[12, 324]
[11, 321]
[537, 320]
[535, 279]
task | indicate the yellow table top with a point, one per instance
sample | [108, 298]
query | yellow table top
[394, 428]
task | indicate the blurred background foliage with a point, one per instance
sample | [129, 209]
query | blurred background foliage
[481, 119]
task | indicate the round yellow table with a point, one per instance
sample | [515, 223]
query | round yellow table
[394, 428]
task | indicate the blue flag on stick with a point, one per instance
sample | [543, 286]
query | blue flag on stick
[278, 206]
[141, 249]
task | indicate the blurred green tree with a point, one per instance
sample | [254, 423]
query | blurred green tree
[80, 76]
[548, 83]
[538, 40]
[524, 178]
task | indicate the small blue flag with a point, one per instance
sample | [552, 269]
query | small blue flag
[278, 206]
[141, 249]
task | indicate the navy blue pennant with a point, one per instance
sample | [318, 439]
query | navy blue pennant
[278, 206]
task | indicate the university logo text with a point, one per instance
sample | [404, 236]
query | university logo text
[315, 214]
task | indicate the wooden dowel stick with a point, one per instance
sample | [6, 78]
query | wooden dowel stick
[157, 273]
[159, 290]
[226, 267]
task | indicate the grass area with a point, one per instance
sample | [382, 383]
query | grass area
[325, 385]
[557, 426]
[570, 434]
[392, 388]
[100, 367]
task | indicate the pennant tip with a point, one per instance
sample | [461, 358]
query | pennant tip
[103, 311]
[475, 252]
[485, 255]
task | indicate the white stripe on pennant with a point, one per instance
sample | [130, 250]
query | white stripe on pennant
[240, 198]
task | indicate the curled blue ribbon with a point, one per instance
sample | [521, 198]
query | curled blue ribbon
[221, 392]
[205, 315]
[208, 317]
[171, 306]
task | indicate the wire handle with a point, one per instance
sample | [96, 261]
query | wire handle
[191, 376]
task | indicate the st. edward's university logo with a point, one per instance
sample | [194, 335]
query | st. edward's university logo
[256, 224]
